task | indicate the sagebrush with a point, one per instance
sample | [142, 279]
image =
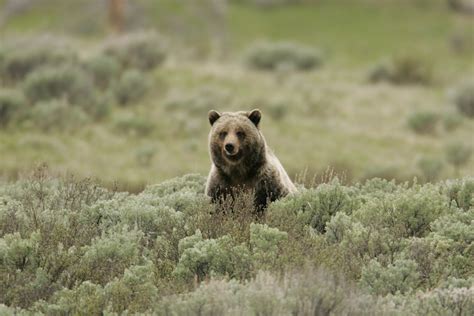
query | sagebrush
[70, 246]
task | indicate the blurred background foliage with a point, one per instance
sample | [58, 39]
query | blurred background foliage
[120, 90]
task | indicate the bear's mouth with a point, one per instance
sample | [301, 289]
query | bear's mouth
[234, 157]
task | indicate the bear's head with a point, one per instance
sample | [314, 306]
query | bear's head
[235, 140]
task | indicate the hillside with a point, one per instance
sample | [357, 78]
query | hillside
[152, 125]
[369, 105]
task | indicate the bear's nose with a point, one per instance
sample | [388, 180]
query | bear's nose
[229, 148]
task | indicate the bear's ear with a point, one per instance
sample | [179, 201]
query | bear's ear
[213, 116]
[255, 116]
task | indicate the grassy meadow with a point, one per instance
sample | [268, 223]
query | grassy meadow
[332, 116]
[368, 104]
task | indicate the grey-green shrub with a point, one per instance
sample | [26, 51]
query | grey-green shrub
[403, 69]
[25, 55]
[406, 212]
[461, 192]
[439, 254]
[198, 100]
[296, 293]
[337, 227]
[400, 277]
[204, 257]
[17, 252]
[277, 109]
[12, 103]
[312, 207]
[411, 69]
[189, 183]
[430, 168]
[54, 115]
[109, 255]
[133, 125]
[458, 154]
[142, 50]
[86, 297]
[66, 82]
[135, 291]
[423, 122]
[69, 246]
[451, 121]
[145, 154]
[185, 107]
[131, 87]
[104, 69]
[271, 56]
[381, 71]
[265, 242]
[464, 98]
[398, 214]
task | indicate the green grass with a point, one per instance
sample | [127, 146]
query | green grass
[349, 32]
[334, 116]
[356, 124]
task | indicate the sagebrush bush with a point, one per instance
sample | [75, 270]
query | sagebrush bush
[104, 69]
[464, 98]
[403, 69]
[313, 207]
[131, 87]
[197, 101]
[69, 246]
[411, 69]
[25, 55]
[430, 168]
[458, 154]
[297, 293]
[265, 242]
[109, 255]
[277, 108]
[142, 50]
[423, 122]
[135, 291]
[443, 251]
[144, 155]
[381, 71]
[460, 192]
[186, 108]
[12, 104]
[133, 125]
[54, 115]
[190, 183]
[452, 121]
[405, 213]
[66, 82]
[272, 56]
[399, 277]
[205, 257]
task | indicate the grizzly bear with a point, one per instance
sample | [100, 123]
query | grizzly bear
[241, 160]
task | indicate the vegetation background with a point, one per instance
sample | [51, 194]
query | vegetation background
[119, 91]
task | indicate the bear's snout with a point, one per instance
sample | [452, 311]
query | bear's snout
[229, 148]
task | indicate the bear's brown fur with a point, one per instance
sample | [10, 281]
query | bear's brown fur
[241, 159]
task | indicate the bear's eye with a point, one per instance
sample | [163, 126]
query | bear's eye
[222, 135]
[240, 134]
